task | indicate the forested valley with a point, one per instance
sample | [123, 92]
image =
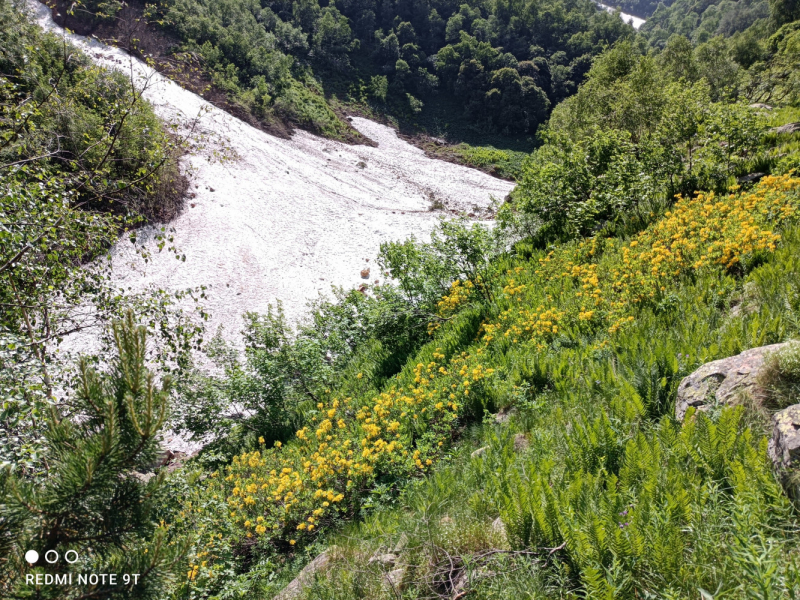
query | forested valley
[525, 404]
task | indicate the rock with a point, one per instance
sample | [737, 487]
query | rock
[395, 578]
[723, 380]
[498, 527]
[305, 577]
[445, 520]
[505, 414]
[479, 452]
[387, 560]
[167, 456]
[750, 178]
[521, 442]
[365, 273]
[761, 106]
[210, 189]
[788, 128]
[784, 447]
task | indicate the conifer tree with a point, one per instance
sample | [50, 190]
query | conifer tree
[93, 502]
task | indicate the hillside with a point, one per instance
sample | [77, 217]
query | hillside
[512, 401]
[463, 71]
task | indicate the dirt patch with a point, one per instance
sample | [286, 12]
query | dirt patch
[442, 150]
[432, 146]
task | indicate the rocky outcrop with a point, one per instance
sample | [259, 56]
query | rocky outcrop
[722, 381]
[788, 128]
[784, 447]
[306, 577]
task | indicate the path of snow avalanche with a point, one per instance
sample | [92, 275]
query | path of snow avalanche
[287, 218]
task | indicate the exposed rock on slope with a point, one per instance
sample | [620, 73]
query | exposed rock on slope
[784, 447]
[723, 380]
[306, 577]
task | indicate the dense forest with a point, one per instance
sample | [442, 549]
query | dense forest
[501, 65]
[498, 418]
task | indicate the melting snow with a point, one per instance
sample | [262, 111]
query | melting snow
[286, 218]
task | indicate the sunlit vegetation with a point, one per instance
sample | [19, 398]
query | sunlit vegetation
[504, 64]
[654, 229]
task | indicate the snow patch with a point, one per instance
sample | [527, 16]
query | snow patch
[285, 219]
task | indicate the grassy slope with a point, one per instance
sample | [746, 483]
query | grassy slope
[639, 504]
[591, 341]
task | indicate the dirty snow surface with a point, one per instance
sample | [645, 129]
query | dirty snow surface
[633, 21]
[284, 219]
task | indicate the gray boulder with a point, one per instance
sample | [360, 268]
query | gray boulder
[784, 447]
[479, 452]
[723, 380]
[788, 128]
[305, 578]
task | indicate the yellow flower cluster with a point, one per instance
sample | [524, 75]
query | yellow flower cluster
[290, 491]
[460, 292]
[598, 283]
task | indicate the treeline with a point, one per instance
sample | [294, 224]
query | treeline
[505, 63]
[642, 129]
[702, 21]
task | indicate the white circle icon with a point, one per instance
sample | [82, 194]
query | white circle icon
[49, 554]
[31, 556]
[66, 556]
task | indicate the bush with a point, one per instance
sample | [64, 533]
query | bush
[94, 500]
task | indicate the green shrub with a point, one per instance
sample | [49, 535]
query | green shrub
[780, 377]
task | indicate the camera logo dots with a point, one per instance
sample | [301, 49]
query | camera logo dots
[51, 556]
